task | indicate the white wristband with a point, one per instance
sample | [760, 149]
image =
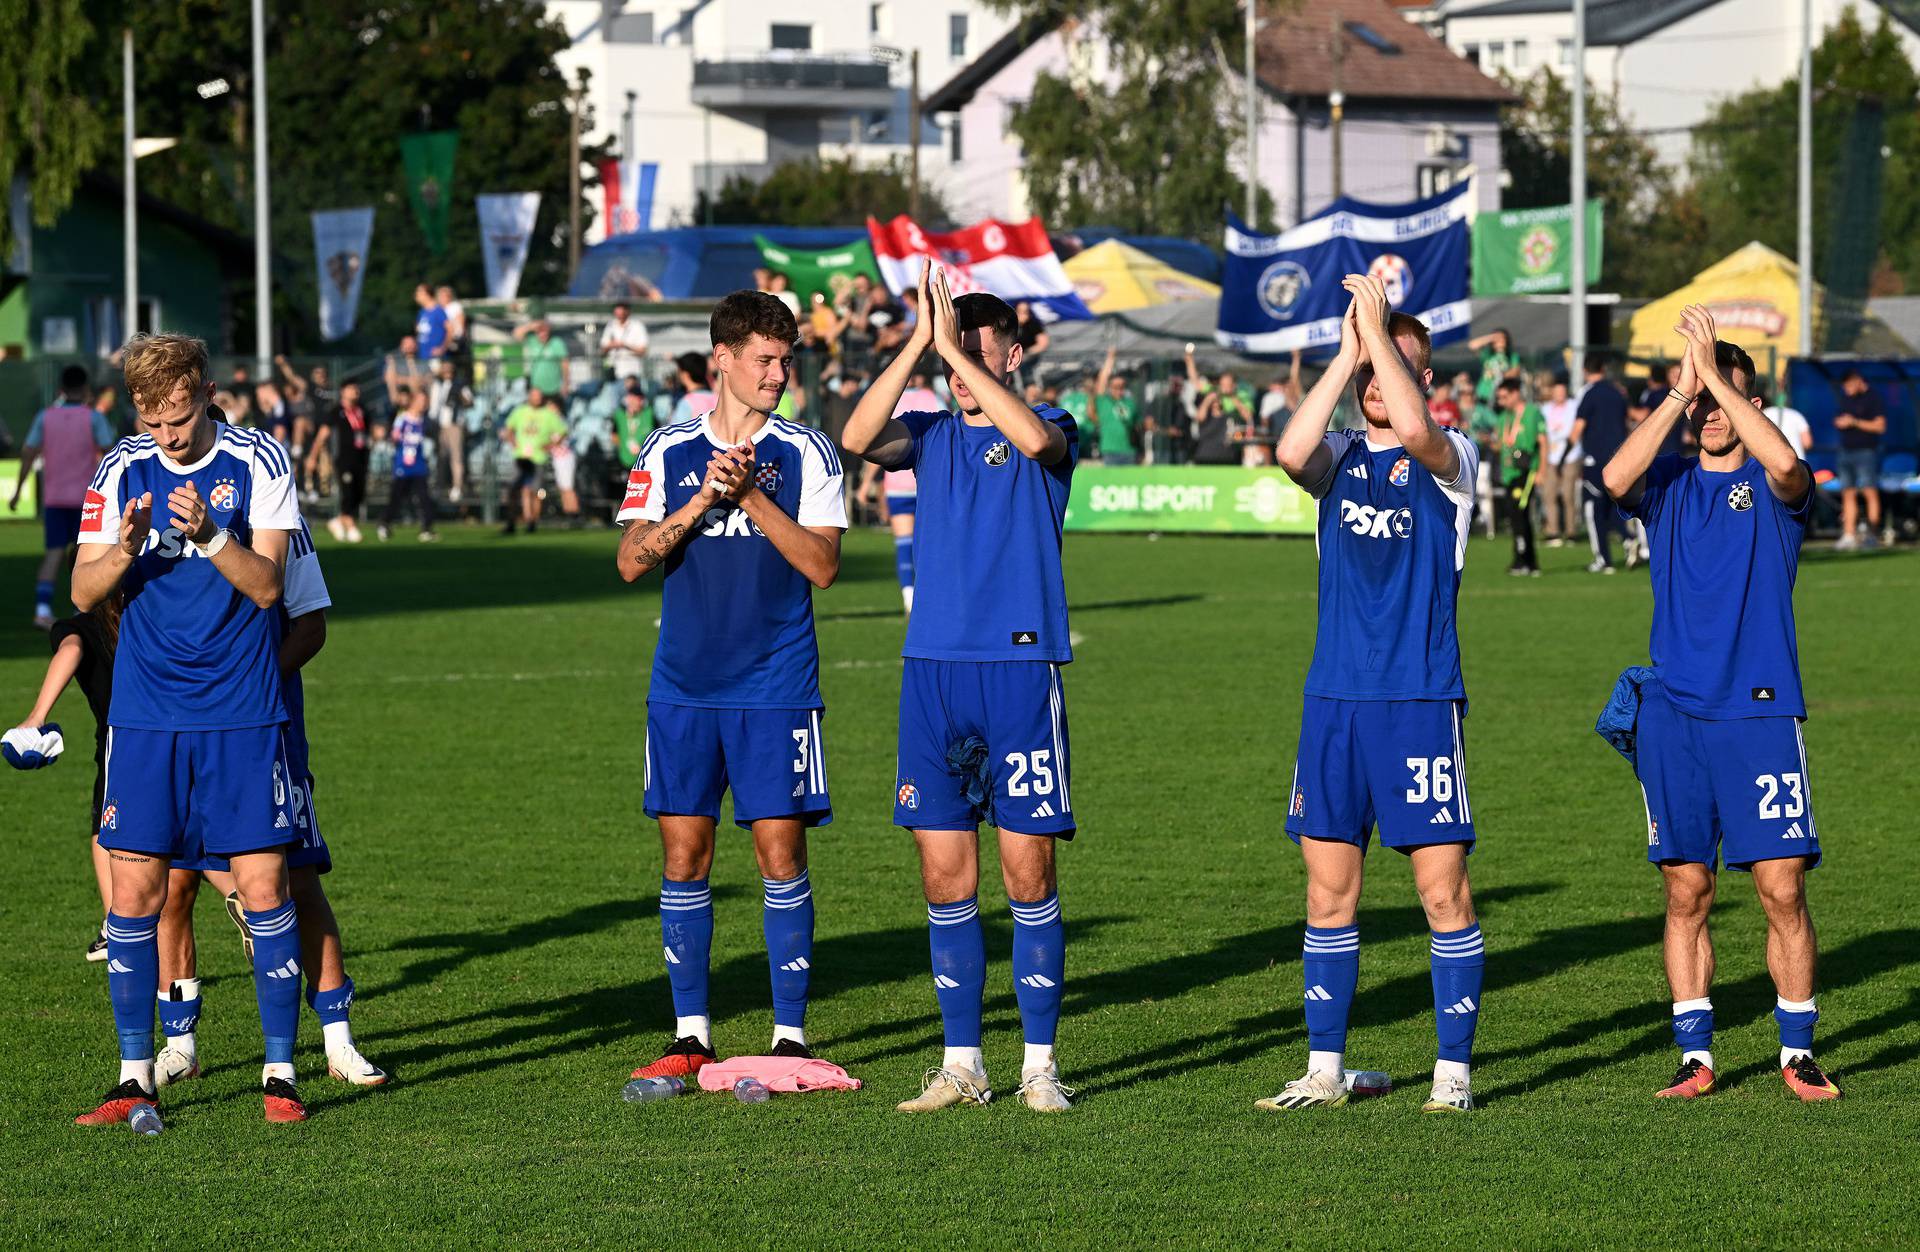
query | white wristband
[212, 546]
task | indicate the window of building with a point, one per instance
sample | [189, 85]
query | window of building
[1373, 39]
[1566, 52]
[1496, 55]
[630, 28]
[1519, 54]
[1432, 178]
[953, 140]
[873, 18]
[1472, 53]
[791, 37]
[957, 36]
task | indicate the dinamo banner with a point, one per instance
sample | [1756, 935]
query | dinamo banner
[1523, 252]
[1204, 499]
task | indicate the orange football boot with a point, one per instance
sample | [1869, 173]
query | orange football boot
[683, 1059]
[1808, 1081]
[117, 1106]
[1692, 1081]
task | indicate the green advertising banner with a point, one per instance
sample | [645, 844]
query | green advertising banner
[1524, 252]
[428, 160]
[1206, 499]
[824, 272]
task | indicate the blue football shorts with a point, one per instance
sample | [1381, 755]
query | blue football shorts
[310, 850]
[1736, 788]
[773, 760]
[185, 794]
[1397, 764]
[1017, 711]
[901, 506]
[60, 526]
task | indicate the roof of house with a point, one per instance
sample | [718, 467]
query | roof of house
[1611, 23]
[1382, 55]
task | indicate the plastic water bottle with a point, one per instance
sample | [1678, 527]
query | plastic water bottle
[1364, 1084]
[647, 1090]
[145, 1120]
[751, 1091]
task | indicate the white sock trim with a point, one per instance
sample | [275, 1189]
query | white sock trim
[1700, 1055]
[699, 1027]
[336, 1035]
[1794, 1006]
[140, 1071]
[1703, 1005]
[965, 1058]
[1334, 1063]
[795, 1033]
[1451, 1069]
[1788, 1055]
[1038, 1056]
[276, 1070]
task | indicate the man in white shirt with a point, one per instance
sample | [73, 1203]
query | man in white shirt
[1792, 423]
[1560, 477]
[623, 343]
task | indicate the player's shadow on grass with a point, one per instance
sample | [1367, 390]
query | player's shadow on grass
[1738, 1003]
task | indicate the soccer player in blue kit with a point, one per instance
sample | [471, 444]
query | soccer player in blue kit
[743, 513]
[1380, 739]
[1721, 761]
[196, 758]
[983, 719]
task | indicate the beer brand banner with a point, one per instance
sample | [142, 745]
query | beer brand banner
[1012, 260]
[1207, 499]
[506, 231]
[1281, 292]
[1523, 252]
[825, 272]
[428, 159]
[340, 241]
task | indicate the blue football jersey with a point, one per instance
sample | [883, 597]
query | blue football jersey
[306, 592]
[1725, 554]
[194, 653]
[736, 620]
[986, 543]
[409, 447]
[1392, 541]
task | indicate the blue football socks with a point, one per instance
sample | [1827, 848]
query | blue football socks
[903, 559]
[1459, 961]
[1330, 959]
[959, 968]
[1039, 967]
[179, 1007]
[276, 978]
[43, 595]
[133, 970]
[1796, 1019]
[1693, 1030]
[787, 920]
[686, 932]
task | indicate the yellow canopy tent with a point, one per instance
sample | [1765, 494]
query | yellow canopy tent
[1110, 276]
[1754, 296]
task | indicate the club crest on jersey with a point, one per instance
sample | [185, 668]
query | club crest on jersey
[1402, 471]
[223, 496]
[909, 795]
[1740, 499]
[998, 453]
[110, 817]
[1299, 808]
[767, 478]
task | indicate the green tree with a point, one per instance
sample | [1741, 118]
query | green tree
[1123, 152]
[829, 192]
[49, 130]
[1745, 155]
[345, 79]
[1652, 237]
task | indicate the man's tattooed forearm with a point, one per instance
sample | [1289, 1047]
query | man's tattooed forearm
[650, 542]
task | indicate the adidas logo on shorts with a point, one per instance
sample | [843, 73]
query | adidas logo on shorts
[1443, 818]
[1045, 809]
[1794, 832]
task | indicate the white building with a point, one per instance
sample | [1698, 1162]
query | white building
[1669, 61]
[715, 88]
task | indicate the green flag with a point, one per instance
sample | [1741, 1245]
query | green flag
[429, 164]
[1522, 252]
[824, 272]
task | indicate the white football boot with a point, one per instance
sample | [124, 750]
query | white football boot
[1450, 1095]
[1313, 1090]
[175, 1064]
[346, 1064]
[1043, 1091]
[947, 1086]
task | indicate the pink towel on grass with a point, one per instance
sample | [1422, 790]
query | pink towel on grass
[778, 1073]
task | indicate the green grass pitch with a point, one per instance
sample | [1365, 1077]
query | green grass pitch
[477, 719]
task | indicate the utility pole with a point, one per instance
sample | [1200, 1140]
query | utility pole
[706, 175]
[262, 227]
[1577, 295]
[130, 230]
[1253, 121]
[1337, 109]
[577, 97]
[1805, 248]
[913, 124]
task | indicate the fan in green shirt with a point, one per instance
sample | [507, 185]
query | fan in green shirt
[1115, 414]
[545, 357]
[632, 423]
[534, 427]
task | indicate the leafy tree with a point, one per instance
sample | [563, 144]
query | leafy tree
[1124, 153]
[829, 192]
[1654, 235]
[1745, 155]
[345, 79]
[49, 131]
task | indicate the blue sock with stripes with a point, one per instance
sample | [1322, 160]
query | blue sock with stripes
[686, 933]
[1459, 962]
[787, 920]
[133, 969]
[903, 559]
[1039, 967]
[43, 593]
[1330, 963]
[959, 968]
[179, 1008]
[276, 978]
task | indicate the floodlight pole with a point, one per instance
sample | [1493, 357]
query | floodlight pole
[262, 230]
[576, 97]
[1577, 288]
[913, 126]
[1805, 248]
[1253, 121]
[130, 229]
